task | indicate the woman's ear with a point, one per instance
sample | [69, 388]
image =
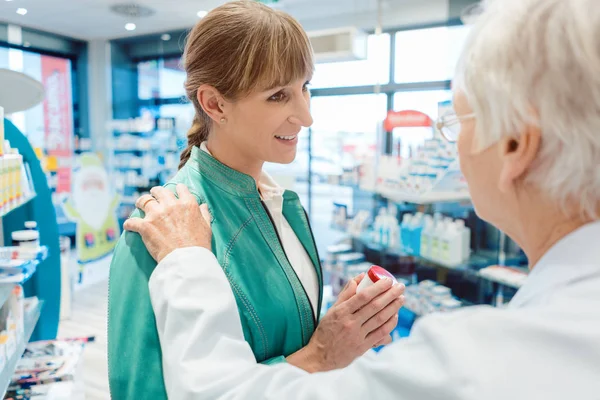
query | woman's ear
[517, 155]
[211, 102]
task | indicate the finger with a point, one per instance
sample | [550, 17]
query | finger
[383, 331]
[347, 292]
[358, 279]
[379, 303]
[134, 225]
[146, 203]
[205, 213]
[365, 296]
[164, 196]
[384, 342]
[381, 317]
[185, 195]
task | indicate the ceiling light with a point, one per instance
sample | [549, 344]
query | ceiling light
[130, 26]
[202, 14]
[166, 37]
[21, 11]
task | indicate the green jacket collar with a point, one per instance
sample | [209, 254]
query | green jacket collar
[230, 180]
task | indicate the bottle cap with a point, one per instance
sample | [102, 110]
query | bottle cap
[30, 224]
[376, 273]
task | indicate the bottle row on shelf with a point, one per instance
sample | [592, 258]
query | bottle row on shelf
[15, 188]
[436, 238]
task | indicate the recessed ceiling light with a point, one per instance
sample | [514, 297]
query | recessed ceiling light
[130, 26]
[202, 14]
[166, 37]
[21, 11]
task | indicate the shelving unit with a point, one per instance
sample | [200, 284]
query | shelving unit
[17, 204]
[427, 198]
[130, 153]
[42, 276]
[30, 322]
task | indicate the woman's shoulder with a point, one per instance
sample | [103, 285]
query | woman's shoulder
[192, 179]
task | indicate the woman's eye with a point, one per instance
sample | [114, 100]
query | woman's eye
[305, 87]
[277, 97]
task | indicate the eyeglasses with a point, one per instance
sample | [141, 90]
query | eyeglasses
[449, 125]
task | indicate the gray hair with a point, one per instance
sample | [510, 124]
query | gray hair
[538, 62]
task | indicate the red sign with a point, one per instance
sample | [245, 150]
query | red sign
[406, 119]
[58, 120]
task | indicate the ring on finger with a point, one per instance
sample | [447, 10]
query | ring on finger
[148, 201]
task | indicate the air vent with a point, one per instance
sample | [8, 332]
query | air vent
[343, 44]
[132, 10]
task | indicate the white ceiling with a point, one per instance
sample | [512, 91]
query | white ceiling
[92, 19]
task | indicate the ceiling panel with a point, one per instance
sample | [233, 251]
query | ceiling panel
[92, 19]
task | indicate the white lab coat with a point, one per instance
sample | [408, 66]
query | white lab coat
[545, 345]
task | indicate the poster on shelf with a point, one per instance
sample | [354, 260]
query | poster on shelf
[93, 207]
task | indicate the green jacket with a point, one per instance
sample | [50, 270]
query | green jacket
[276, 314]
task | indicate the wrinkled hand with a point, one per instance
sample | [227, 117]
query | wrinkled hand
[353, 325]
[171, 223]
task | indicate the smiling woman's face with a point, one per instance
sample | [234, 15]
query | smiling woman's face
[266, 123]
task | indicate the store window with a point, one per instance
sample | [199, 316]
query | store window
[406, 140]
[163, 78]
[346, 130]
[55, 74]
[375, 69]
[428, 55]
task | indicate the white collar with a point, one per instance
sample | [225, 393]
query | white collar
[573, 258]
[269, 189]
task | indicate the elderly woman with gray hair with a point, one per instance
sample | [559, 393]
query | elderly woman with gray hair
[527, 127]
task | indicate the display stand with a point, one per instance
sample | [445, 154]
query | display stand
[45, 283]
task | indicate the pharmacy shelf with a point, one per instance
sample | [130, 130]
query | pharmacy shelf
[30, 322]
[22, 272]
[475, 262]
[21, 203]
[503, 280]
[425, 198]
[18, 257]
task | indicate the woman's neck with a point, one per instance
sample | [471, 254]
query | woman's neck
[233, 157]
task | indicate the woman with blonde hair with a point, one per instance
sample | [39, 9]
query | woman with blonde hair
[248, 67]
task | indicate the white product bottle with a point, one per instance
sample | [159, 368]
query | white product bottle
[374, 275]
[426, 236]
[394, 232]
[405, 232]
[436, 242]
[465, 233]
[455, 244]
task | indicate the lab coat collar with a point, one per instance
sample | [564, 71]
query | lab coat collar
[573, 258]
